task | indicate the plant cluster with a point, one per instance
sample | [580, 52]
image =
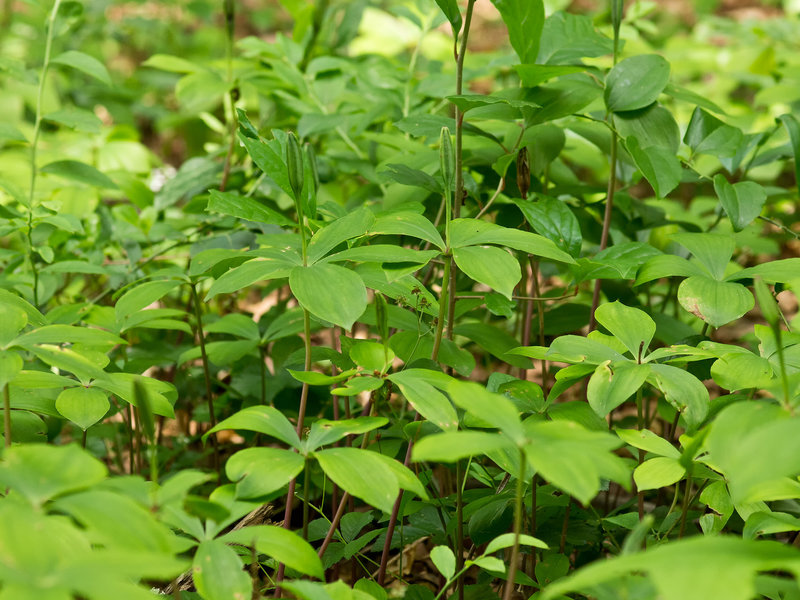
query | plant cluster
[408, 320]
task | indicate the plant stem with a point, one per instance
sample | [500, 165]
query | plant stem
[459, 531]
[306, 486]
[443, 304]
[685, 506]
[640, 426]
[201, 338]
[612, 184]
[7, 415]
[37, 128]
[564, 527]
[393, 518]
[512, 567]
[232, 93]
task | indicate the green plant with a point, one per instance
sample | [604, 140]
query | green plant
[547, 290]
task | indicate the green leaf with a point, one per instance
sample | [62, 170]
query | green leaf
[466, 102]
[10, 366]
[471, 232]
[281, 544]
[706, 134]
[453, 14]
[383, 253]
[141, 296]
[651, 126]
[312, 287]
[83, 406]
[80, 172]
[575, 459]
[371, 356]
[243, 207]
[352, 225]
[576, 349]
[506, 540]
[261, 471]
[264, 419]
[740, 371]
[324, 432]
[524, 20]
[405, 175]
[491, 266]
[444, 560]
[697, 568]
[554, 220]
[567, 38]
[246, 274]
[713, 250]
[495, 409]
[268, 156]
[742, 201]
[218, 572]
[648, 441]
[793, 127]
[40, 472]
[753, 444]
[174, 64]
[684, 391]
[667, 265]
[75, 118]
[715, 302]
[122, 385]
[455, 445]
[563, 98]
[657, 473]
[361, 473]
[84, 63]
[426, 399]
[407, 223]
[774, 271]
[13, 321]
[68, 334]
[534, 75]
[612, 384]
[633, 327]
[660, 166]
[636, 82]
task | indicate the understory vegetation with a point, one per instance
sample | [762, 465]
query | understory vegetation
[361, 299]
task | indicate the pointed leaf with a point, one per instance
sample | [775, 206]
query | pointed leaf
[660, 166]
[611, 385]
[80, 172]
[715, 302]
[491, 266]
[84, 63]
[742, 201]
[218, 572]
[633, 327]
[636, 82]
[312, 287]
[261, 471]
[264, 419]
[83, 406]
[281, 544]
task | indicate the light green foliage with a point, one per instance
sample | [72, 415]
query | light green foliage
[321, 286]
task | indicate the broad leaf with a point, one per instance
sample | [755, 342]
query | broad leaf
[218, 572]
[362, 474]
[636, 82]
[491, 266]
[471, 232]
[612, 384]
[715, 302]
[706, 134]
[657, 473]
[80, 172]
[426, 399]
[141, 296]
[350, 226]
[261, 471]
[258, 269]
[281, 544]
[264, 419]
[444, 560]
[660, 166]
[742, 201]
[633, 327]
[698, 568]
[713, 250]
[313, 285]
[455, 445]
[83, 406]
[524, 20]
[684, 391]
[84, 63]
[243, 207]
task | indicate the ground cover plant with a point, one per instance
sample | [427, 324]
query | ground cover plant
[414, 299]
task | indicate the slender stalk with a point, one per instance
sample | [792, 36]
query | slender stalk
[459, 531]
[201, 338]
[444, 298]
[83, 439]
[232, 95]
[685, 506]
[387, 544]
[7, 415]
[306, 486]
[612, 184]
[640, 424]
[564, 527]
[512, 567]
[37, 129]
